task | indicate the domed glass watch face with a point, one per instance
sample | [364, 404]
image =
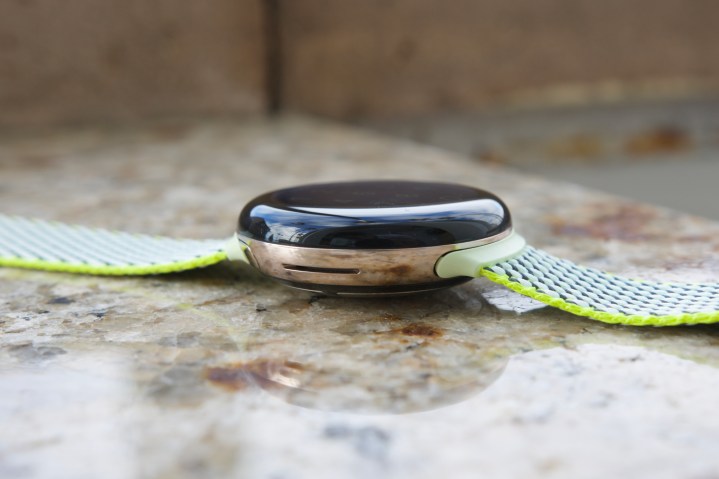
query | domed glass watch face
[374, 215]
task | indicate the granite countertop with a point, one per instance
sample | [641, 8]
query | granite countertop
[221, 372]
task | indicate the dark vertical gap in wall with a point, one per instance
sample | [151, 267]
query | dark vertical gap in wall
[273, 55]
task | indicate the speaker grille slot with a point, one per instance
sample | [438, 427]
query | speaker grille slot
[313, 269]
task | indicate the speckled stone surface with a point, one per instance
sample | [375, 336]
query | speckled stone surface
[222, 373]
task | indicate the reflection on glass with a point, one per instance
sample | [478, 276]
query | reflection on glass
[374, 214]
[406, 227]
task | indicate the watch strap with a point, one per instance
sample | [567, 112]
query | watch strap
[53, 246]
[603, 296]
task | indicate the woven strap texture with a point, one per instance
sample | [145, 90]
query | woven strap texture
[603, 296]
[47, 245]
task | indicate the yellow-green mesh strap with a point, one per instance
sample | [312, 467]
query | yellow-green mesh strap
[605, 297]
[52, 246]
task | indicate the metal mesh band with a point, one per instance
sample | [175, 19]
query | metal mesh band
[605, 297]
[47, 245]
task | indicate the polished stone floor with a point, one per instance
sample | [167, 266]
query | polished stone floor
[221, 372]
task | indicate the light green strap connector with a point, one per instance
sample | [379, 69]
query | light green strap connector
[469, 262]
[236, 250]
[52, 246]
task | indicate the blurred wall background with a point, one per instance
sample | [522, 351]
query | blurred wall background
[381, 58]
[89, 60]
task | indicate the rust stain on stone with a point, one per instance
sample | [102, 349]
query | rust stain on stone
[625, 222]
[659, 140]
[228, 377]
[492, 157]
[421, 329]
[239, 376]
[580, 145]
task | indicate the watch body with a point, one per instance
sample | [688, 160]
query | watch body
[368, 237]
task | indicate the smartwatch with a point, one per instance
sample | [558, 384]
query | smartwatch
[369, 238]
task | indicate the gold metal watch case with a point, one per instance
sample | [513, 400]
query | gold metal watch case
[368, 237]
[362, 272]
